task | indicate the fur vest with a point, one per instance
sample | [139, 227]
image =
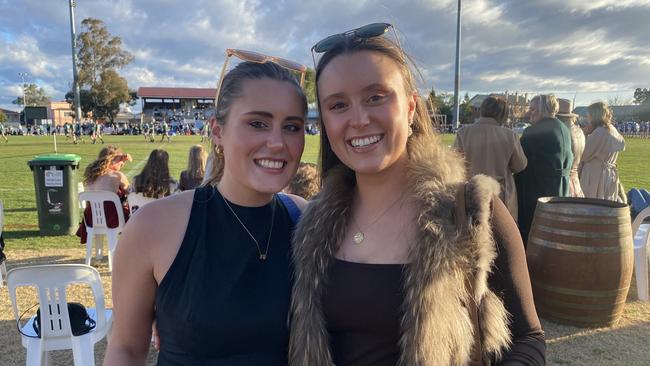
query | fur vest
[436, 328]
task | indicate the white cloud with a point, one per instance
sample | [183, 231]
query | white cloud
[588, 45]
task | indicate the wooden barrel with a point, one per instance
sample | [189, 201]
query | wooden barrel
[580, 257]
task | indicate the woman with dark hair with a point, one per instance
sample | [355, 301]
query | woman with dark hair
[154, 181]
[399, 260]
[598, 172]
[493, 150]
[212, 265]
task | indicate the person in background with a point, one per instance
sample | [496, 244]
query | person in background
[547, 145]
[104, 174]
[306, 181]
[154, 181]
[3, 132]
[491, 149]
[193, 175]
[96, 133]
[386, 272]
[570, 119]
[639, 199]
[165, 132]
[598, 171]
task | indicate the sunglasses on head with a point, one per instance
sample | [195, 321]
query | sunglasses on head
[365, 32]
[260, 59]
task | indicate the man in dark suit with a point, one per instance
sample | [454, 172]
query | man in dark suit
[547, 146]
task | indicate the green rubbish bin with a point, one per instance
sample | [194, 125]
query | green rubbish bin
[57, 202]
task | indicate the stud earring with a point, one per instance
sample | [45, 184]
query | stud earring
[410, 130]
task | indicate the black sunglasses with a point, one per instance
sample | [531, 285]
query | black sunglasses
[365, 32]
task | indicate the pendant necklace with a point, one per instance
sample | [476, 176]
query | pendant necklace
[263, 255]
[359, 236]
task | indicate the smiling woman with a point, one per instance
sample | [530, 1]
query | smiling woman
[398, 259]
[196, 257]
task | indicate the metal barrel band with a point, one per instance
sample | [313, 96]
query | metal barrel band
[584, 234]
[585, 293]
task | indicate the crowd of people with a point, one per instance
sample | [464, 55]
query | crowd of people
[553, 157]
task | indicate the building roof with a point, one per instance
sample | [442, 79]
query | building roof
[9, 112]
[177, 93]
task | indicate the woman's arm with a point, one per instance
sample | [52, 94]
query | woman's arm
[510, 281]
[518, 160]
[134, 289]
[146, 250]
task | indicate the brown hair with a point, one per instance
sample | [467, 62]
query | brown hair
[305, 182]
[154, 180]
[231, 90]
[601, 114]
[493, 107]
[101, 166]
[196, 162]
[422, 124]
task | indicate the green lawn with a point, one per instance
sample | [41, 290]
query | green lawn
[17, 186]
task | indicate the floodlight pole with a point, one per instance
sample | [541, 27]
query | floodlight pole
[23, 75]
[456, 111]
[75, 77]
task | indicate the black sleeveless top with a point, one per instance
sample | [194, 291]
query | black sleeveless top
[219, 304]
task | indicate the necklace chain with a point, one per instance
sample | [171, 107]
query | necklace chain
[360, 236]
[264, 255]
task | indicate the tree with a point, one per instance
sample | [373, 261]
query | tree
[109, 94]
[310, 85]
[441, 104]
[84, 98]
[99, 56]
[466, 110]
[641, 96]
[98, 51]
[617, 101]
[34, 95]
[3, 117]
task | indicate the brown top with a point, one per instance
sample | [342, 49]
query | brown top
[361, 303]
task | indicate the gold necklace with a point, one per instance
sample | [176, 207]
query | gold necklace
[359, 236]
[264, 255]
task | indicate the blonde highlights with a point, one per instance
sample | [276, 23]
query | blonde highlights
[196, 162]
[548, 105]
[601, 114]
[101, 166]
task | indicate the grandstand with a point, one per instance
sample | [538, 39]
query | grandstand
[175, 104]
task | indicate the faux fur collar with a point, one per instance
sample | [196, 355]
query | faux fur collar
[435, 328]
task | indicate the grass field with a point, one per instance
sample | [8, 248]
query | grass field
[17, 186]
[623, 344]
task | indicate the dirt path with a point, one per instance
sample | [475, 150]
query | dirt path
[623, 344]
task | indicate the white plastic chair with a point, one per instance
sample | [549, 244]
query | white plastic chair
[3, 265]
[137, 200]
[96, 200]
[56, 333]
[641, 232]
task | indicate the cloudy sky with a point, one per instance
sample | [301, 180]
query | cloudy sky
[593, 49]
